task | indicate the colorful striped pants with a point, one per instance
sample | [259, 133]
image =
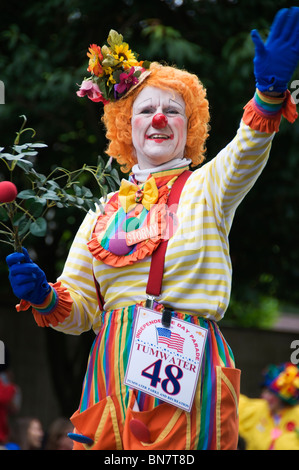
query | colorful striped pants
[107, 405]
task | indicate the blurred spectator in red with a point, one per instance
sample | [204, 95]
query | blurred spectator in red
[10, 398]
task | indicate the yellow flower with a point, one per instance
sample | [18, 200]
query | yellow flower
[111, 80]
[125, 56]
[109, 73]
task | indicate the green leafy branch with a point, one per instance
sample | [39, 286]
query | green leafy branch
[61, 188]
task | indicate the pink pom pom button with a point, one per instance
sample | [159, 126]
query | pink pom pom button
[118, 245]
[140, 430]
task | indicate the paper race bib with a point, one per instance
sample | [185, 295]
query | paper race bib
[165, 362]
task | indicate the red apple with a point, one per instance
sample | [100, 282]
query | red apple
[8, 191]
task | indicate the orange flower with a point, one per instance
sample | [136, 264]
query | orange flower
[95, 57]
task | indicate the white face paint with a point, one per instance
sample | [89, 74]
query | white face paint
[157, 146]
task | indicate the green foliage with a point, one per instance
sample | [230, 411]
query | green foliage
[252, 310]
[165, 41]
[61, 188]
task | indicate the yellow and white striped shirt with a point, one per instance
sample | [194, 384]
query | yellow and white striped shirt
[197, 273]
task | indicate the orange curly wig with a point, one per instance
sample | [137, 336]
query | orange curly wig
[117, 115]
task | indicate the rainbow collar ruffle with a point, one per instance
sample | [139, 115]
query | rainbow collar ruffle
[121, 238]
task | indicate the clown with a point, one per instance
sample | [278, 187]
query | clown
[271, 422]
[161, 245]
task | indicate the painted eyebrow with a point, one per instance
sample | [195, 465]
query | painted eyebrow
[148, 102]
[176, 102]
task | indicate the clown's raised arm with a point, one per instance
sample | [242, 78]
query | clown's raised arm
[274, 64]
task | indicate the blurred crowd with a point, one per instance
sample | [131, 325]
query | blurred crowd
[269, 422]
[26, 433]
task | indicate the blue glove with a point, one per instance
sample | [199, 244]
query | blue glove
[27, 280]
[276, 60]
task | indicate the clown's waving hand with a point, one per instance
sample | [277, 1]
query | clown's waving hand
[276, 60]
[157, 123]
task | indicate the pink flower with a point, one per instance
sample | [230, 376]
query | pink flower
[127, 80]
[92, 91]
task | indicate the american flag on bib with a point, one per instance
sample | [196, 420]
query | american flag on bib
[170, 339]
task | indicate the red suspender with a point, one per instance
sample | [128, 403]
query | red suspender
[154, 284]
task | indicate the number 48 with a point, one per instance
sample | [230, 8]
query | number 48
[170, 385]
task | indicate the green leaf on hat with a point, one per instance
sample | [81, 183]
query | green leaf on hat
[114, 38]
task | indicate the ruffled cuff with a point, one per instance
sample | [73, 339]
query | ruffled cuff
[56, 307]
[263, 113]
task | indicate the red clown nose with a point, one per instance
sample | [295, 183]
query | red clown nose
[159, 121]
[8, 191]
